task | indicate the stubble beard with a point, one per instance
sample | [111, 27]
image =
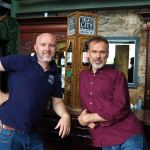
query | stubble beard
[45, 59]
[97, 66]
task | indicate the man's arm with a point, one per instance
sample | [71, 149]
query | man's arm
[64, 122]
[1, 67]
[3, 97]
[89, 119]
[119, 108]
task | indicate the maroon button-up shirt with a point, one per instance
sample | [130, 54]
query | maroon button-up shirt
[106, 93]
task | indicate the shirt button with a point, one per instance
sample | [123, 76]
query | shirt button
[91, 103]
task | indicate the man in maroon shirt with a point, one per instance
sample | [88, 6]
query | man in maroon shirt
[105, 99]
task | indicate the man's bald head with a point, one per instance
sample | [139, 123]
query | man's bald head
[45, 35]
[45, 47]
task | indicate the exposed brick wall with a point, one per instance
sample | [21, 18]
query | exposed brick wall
[125, 23]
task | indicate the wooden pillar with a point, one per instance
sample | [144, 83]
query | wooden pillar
[80, 27]
[145, 17]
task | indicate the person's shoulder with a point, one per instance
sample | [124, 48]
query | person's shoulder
[19, 56]
[24, 58]
[85, 71]
[118, 74]
[110, 69]
[113, 71]
[14, 57]
[121, 74]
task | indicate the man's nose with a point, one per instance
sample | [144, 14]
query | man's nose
[98, 55]
[47, 47]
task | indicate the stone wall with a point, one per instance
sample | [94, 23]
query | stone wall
[125, 23]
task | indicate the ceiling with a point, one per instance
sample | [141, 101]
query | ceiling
[30, 7]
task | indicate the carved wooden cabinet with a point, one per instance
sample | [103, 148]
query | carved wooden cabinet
[80, 27]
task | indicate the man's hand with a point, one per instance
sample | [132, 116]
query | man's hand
[83, 118]
[64, 125]
[92, 125]
[3, 97]
[89, 119]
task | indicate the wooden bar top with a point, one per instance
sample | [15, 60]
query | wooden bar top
[143, 116]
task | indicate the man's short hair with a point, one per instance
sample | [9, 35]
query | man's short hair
[97, 39]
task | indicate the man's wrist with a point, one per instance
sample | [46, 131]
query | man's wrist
[66, 115]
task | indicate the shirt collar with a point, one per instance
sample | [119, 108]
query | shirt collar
[52, 64]
[99, 70]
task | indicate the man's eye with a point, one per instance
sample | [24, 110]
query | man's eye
[43, 44]
[52, 45]
[102, 52]
[94, 51]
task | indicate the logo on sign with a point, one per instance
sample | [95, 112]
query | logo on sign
[86, 25]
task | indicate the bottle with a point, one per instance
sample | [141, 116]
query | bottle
[139, 103]
[62, 84]
[69, 54]
[62, 63]
[85, 59]
[62, 60]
